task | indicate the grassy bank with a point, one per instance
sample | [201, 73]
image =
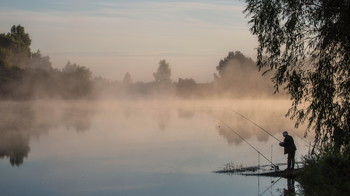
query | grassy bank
[326, 175]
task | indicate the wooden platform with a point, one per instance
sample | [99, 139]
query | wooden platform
[279, 173]
[263, 170]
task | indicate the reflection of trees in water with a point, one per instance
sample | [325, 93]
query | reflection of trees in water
[267, 114]
[127, 111]
[15, 146]
[185, 113]
[163, 118]
[272, 120]
[14, 141]
[229, 135]
[130, 110]
[21, 121]
[78, 118]
[232, 127]
[263, 138]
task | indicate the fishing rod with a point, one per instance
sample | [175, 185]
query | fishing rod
[253, 123]
[274, 166]
[306, 141]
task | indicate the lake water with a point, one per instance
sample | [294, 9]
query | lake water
[140, 147]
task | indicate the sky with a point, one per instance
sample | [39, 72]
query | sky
[112, 37]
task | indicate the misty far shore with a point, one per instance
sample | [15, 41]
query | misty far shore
[26, 75]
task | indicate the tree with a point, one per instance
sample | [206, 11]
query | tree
[233, 61]
[15, 47]
[77, 71]
[186, 87]
[38, 61]
[24, 74]
[239, 76]
[22, 40]
[77, 80]
[163, 73]
[307, 44]
[127, 80]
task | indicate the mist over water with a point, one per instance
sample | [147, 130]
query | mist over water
[85, 135]
[66, 131]
[135, 146]
[24, 121]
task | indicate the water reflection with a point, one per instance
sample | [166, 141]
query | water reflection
[289, 184]
[120, 151]
[21, 121]
[185, 113]
[77, 117]
[246, 129]
[14, 146]
[163, 118]
[290, 187]
[14, 141]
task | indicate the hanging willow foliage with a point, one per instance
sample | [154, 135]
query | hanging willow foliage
[306, 43]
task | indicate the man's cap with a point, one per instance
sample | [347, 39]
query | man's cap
[285, 133]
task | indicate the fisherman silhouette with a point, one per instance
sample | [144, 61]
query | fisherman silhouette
[289, 148]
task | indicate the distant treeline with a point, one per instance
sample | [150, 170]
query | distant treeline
[238, 77]
[26, 75]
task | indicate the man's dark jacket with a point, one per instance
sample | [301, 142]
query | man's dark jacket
[288, 144]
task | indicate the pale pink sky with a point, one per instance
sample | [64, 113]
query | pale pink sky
[115, 37]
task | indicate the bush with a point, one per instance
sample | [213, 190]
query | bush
[326, 175]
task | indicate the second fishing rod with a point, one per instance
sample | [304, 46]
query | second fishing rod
[254, 124]
[273, 165]
[246, 118]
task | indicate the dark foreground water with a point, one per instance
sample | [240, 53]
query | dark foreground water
[140, 147]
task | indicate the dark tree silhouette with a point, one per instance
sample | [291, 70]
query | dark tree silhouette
[25, 75]
[307, 44]
[77, 80]
[234, 61]
[163, 73]
[239, 76]
[186, 87]
[40, 62]
[15, 47]
[127, 80]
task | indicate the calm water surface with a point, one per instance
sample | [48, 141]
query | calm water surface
[140, 147]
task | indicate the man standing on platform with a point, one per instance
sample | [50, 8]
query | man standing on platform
[289, 148]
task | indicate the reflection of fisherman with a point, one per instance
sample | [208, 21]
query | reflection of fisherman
[289, 148]
[290, 188]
